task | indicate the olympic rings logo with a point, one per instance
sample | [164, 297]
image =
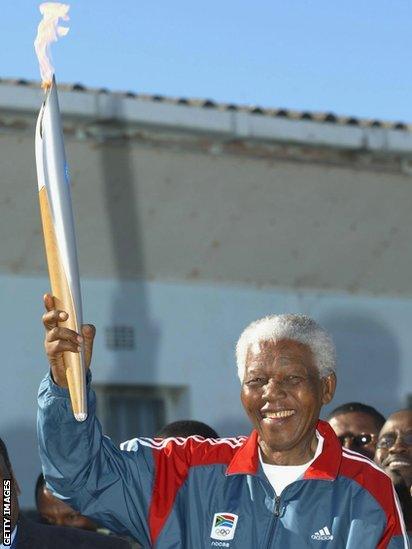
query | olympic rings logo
[223, 531]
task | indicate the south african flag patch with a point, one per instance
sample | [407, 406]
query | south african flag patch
[224, 526]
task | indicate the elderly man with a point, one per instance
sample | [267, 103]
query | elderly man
[357, 426]
[288, 485]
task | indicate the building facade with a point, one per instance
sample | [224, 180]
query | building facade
[193, 219]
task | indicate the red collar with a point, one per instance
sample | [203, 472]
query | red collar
[325, 467]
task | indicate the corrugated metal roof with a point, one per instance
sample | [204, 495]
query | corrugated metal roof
[326, 117]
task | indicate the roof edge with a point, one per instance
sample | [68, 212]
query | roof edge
[317, 129]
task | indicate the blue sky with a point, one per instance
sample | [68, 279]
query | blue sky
[352, 57]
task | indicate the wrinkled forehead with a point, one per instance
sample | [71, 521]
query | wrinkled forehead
[266, 352]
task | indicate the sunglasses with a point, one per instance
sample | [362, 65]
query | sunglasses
[387, 441]
[358, 440]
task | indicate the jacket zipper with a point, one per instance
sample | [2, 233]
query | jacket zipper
[277, 506]
[274, 521]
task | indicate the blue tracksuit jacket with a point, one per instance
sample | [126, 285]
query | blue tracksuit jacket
[199, 493]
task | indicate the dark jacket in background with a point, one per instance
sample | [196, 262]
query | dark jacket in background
[32, 535]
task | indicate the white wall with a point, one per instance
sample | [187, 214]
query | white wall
[166, 212]
[185, 336]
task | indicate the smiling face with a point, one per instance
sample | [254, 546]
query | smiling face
[282, 393]
[394, 449]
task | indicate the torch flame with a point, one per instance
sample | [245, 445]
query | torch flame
[49, 31]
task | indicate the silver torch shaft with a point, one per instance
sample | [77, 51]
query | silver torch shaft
[59, 237]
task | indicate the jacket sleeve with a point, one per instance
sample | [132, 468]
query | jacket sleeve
[399, 542]
[84, 467]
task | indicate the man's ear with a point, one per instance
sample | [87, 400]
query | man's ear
[328, 388]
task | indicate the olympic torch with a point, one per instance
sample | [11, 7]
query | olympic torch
[55, 203]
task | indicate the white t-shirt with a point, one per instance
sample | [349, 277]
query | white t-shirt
[281, 476]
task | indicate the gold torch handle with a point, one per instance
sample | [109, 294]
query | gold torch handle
[64, 301]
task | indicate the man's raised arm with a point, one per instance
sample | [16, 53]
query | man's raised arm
[80, 464]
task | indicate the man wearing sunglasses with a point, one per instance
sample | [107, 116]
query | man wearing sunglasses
[357, 426]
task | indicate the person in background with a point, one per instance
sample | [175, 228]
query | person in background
[187, 428]
[357, 427]
[26, 534]
[55, 511]
[394, 455]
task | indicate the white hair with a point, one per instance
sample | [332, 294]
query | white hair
[300, 328]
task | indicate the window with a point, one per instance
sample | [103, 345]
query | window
[120, 338]
[129, 411]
